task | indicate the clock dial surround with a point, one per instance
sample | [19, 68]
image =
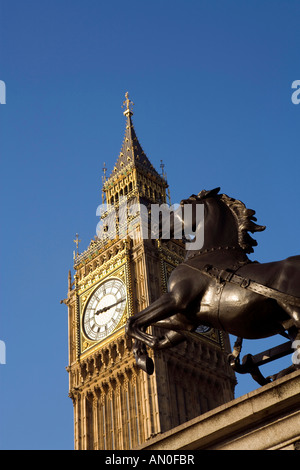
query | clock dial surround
[104, 309]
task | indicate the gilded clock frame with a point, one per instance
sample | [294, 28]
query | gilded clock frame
[117, 269]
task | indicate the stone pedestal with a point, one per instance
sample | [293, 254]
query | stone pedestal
[265, 419]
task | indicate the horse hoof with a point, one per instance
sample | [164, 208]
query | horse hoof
[145, 363]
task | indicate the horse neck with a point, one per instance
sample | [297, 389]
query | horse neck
[220, 227]
[223, 257]
[220, 231]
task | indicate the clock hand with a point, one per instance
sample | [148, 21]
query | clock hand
[104, 309]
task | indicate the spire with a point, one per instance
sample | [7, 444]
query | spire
[131, 153]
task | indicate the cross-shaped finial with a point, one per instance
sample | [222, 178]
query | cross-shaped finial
[128, 104]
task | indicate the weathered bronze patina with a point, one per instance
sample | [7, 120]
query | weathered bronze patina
[218, 286]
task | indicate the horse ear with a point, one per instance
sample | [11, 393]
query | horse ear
[212, 192]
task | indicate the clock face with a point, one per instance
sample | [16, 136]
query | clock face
[104, 309]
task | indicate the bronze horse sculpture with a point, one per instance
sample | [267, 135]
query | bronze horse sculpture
[219, 287]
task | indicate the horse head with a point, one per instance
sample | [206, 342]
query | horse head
[226, 221]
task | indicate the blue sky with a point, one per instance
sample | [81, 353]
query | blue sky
[211, 82]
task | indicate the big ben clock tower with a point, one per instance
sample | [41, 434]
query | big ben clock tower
[117, 405]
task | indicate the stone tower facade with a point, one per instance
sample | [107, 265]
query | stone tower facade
[116, 405]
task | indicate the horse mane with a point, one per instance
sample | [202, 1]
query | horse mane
[244, 217]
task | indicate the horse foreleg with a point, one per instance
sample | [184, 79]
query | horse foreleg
[170, 339]
[137, 324]
[142, 359]
[144, 362]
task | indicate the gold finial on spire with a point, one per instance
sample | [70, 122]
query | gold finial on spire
[104, 169]
[164, 175]
[162, 166]
[128, 104]
[76, 241]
